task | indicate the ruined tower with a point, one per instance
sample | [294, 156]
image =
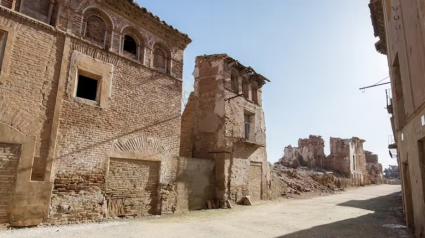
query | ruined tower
[224, 122]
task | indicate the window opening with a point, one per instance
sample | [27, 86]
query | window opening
[247, 119]
[87, 88]
[3, 37]
[130, 45]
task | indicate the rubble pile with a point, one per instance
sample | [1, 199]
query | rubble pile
[302, 181]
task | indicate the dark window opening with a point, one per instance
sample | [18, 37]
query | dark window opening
[3, 36]
[130, 45]
[87, 88]
[354, 162]
[247, 119]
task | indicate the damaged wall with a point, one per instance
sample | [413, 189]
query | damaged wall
[216, 126]
[310, 152]
[196, 183]
[93, 151]
[347, 157]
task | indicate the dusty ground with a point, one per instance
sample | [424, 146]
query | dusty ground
[355, 213]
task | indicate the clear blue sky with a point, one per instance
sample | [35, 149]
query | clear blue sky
[317, 55]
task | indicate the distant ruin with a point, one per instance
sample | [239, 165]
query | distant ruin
[347, 157]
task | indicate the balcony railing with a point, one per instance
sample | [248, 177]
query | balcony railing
[390, 107]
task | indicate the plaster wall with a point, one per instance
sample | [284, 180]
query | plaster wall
[405, 29]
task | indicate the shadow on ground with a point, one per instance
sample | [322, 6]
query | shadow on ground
[386, 210]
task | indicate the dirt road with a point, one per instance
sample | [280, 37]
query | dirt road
[356, 213]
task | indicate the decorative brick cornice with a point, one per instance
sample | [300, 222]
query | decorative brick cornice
[132, 10]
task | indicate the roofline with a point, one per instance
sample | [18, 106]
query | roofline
[378, 22]
[144, 11]
[224, 55]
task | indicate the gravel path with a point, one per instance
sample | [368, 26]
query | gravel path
[359, 212]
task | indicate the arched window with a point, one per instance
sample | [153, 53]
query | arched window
[130, 45]
[95, 29]
[235, 83]
[160, 59]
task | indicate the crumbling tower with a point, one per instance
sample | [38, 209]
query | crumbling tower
[224, 122]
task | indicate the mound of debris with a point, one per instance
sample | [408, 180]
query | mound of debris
[304, 182]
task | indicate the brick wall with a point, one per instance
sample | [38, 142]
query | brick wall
[9, 157]
[144, 106]
[132, 187]
[142, 103]
[28, 95]
[7, 3]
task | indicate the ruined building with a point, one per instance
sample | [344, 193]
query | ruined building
[90, 109]
[400, 26]
[374, 168]
[224, 122]
[392, 172]
[347, 157]
[310, 152]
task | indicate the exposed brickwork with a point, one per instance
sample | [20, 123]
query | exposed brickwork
[132, 187]
[9, 157]
[7, 3]
[40, 49]
[80, 137]
[213, 127]
[95, 30]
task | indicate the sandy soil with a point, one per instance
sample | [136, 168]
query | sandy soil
[362, 212]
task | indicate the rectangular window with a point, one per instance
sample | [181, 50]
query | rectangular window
[87, 88]
[247, 119]
[3, 37]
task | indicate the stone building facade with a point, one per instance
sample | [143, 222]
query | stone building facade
[224, 122]
[90, 111]
[400, 26]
